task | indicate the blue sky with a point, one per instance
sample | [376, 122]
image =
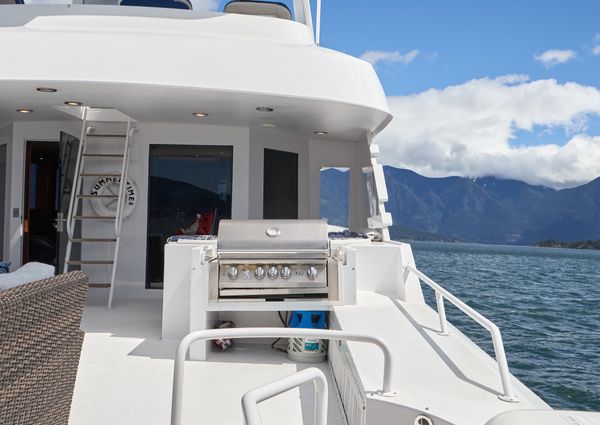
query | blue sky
[461, 40]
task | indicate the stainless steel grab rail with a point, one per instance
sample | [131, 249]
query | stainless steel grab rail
[251, 399]
[441, 294]
[186, 342]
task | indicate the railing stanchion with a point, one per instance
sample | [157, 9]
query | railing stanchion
[439, 299]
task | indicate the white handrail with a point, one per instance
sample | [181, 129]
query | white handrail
[184, 346]
[123, 182]
[440, 295]
[251, 399]
[120, 208]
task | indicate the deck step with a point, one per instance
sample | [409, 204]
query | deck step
[93, 240]
[104, 155]
[99, 285]
[100, 174]
[94, 217]
[107, 136]
[83, 262]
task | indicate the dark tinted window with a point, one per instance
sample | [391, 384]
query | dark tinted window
[280, 190]
[189, 191]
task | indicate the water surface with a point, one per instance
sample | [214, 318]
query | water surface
[546, 302]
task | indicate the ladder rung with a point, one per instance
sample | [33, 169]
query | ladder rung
[100, 174]
[97, 196]
[93, 240]
[108, 136]
[104, 155]
[81, 262]
[94, 217]
[99, 285]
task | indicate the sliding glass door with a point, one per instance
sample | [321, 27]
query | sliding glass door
[189, 191]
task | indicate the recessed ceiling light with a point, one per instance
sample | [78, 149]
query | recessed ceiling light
[72, 103]
[200, 114]
[320, 133]
[264, 109]
[268, 125]
[25, 111]
[46, 90]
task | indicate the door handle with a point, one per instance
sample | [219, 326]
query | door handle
[59, 222]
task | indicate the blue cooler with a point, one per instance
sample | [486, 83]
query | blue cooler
[307, 350]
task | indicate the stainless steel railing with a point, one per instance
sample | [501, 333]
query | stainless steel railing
[442, 294]
[209, 334]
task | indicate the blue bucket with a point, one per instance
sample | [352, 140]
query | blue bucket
[308, 320]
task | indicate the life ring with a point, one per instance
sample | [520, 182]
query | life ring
[110, 186]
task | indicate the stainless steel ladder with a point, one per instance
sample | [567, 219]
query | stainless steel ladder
[90, 137]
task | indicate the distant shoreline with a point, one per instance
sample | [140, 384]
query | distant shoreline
[585, 244]
[590, 245]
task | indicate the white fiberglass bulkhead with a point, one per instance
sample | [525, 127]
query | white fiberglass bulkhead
[152, 63]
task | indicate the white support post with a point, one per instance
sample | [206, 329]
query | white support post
[318, 23]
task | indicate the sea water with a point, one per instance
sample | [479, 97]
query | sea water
[546, 302]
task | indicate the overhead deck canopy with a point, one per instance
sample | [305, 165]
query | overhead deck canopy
[163, 69]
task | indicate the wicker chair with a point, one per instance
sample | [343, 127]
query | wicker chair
[40, 344]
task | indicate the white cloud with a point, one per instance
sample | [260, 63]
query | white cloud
[376, 56]
[554, 57]
[467, 130]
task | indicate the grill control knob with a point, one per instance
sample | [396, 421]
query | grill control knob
[233, 272]
[312, 272]
[273, 272]
[259, 272]
[286, 272]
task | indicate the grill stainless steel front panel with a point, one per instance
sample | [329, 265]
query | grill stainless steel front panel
[273, 238]
[272, 258]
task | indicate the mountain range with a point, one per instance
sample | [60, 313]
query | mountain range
[483, 210]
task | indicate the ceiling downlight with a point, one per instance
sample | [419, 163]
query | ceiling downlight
[46, 90]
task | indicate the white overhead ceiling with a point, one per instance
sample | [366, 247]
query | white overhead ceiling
[177, 104]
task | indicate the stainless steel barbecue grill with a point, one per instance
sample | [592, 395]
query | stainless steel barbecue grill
[272, 259]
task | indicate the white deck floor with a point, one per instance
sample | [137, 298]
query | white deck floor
[125, 375]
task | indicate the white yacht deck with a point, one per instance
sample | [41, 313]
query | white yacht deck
[125, 374]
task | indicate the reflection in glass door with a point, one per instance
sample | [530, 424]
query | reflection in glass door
[189, 191]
